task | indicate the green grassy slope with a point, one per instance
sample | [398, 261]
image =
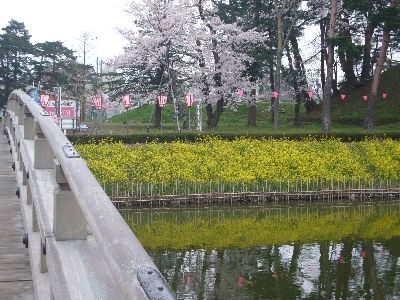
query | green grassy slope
[352, 110]
[346, 115]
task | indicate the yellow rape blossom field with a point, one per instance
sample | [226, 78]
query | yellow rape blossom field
[241, 161]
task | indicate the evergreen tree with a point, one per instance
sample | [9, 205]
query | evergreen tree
[16, 53]
[51, 63]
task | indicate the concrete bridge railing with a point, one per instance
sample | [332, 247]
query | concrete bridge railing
[79, 245]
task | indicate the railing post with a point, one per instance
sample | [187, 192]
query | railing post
[12, 131]
[28, 194]
[42, 261]
[15, 106]
[24, 173]
[35, 224]
[68, 220]
[20, 112]
[18, 153]
[28, 124]
[43, 156]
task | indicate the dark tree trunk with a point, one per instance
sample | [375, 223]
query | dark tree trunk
[366, 70]
[309, 104]
[174, 93]
[326, 101]
[298, 60]
[252, 116]
[345, 56]
[369, 115]
[323, 51]
[272, 87]
[157, 116]
[157, 108]
[295, 80]
[335, 90]
[206, 87]
[213, 116]
[173, 81]
[279, 55]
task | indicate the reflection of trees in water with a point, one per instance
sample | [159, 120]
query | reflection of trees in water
[352, 267]
[325, 279]
[347, 270]
[372, 285]
[343, 266]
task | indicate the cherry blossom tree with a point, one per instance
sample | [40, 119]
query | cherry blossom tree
[188, 48]
[157, 54]
[223, 59]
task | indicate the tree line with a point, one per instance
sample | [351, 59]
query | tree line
[47, 64]
[230, 52]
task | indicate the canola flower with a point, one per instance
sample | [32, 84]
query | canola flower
[243, 160]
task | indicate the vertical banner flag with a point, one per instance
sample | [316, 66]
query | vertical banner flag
[276, 94]
[309, 94]
[126, 100]
[365, 98]
[189, 99]
[162, 101]
[384, 95]
[97, 101]
[44, 100]
[241, 93]
[343, 96]
[199, 116]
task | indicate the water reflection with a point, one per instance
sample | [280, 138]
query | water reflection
[363, 263]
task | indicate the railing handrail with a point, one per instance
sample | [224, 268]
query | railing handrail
[119, 247]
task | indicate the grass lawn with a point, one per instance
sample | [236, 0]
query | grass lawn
[347, 116]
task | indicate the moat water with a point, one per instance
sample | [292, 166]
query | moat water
[305, 252]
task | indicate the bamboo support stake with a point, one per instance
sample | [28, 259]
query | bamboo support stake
[117, 190]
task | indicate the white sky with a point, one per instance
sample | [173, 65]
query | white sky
[67, 20]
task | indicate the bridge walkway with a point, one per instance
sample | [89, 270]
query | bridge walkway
[15, 271]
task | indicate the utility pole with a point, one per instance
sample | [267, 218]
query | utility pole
[85, 39]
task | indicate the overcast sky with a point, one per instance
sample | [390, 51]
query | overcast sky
[66, 21]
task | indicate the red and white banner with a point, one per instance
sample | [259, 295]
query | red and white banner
[97, 101]
[162, 101]
[365, 98]
[189, 99]
[127, 100]
[241, 93]
[67, 109]
[309, 94]
[44, 99]
[276, 94]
